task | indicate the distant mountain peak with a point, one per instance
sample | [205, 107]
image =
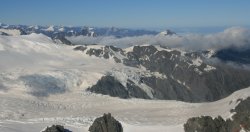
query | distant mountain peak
[50, 28]
[3, 25]
[88, 31]
[167, 32]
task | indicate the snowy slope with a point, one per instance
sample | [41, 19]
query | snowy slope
[42, 83]
[78, 111]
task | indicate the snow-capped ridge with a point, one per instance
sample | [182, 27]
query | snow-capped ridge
[166, 33]
[50, 28]
[61, 29]
[37, 38]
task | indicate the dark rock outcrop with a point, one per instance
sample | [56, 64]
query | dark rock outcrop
[168, 89]
[241, 120]
[56, 128]
[135, 91]
[242, 114]
[62, 39]
[108, 85]
[106, 123]
[205, 124]
[81, 48]
[106, 52]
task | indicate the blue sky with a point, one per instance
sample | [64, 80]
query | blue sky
[127, 13]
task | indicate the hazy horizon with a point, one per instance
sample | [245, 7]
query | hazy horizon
[128, 14]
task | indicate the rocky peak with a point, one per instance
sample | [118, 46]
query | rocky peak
[167, 33]
[88, 31]
[56, 128]
[60, 38]
[106, 123]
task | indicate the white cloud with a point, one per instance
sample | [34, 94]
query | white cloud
[235, 36]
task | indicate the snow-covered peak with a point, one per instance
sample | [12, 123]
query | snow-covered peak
[88, 31]
[91, 29]
[61, 29]
[31, 26]
[37, 38]
[25, 44]
[166, 33]
[50, 28]
[4, 25]
[34, 27]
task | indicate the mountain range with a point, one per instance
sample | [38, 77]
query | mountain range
[45, 78]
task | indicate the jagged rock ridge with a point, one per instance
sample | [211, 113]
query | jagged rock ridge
[186, 76]
[106, 123]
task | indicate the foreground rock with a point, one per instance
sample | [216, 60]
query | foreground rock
[241, 121]
[56, 128]
[242, 114]
[106, 123]
[206, 124]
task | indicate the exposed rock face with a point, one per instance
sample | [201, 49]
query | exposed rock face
[106, 52]
[205, 124]
[241, 120]
[80, 48]
[188, 76]
[106, 123]
[108, 85]
[168, 89]
[135, 91]
[242, 115]
[56, 128]
[62, 39]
